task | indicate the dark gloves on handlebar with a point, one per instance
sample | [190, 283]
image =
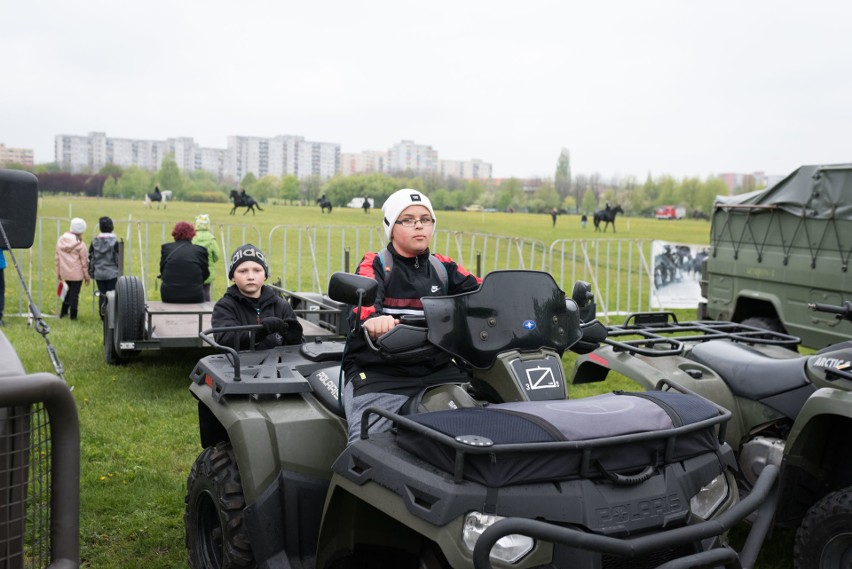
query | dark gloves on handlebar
[272, 324]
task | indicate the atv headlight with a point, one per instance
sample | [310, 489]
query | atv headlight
[509, 548]
[710, 497]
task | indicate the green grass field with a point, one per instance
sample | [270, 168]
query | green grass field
[138, 421]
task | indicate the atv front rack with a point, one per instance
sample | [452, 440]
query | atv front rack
[657, 334]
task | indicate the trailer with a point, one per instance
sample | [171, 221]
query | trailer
[133, 324]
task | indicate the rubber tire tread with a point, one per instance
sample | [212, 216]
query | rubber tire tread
[833, 512]
[215, 472]
[111, 356]
[130, 311]
[766, 323]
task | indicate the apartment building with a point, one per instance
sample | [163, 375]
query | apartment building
[406, 155]
[9, 155]
[276, 156]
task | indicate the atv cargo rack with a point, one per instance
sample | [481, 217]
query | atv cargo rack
[462, 449]
[657, 334]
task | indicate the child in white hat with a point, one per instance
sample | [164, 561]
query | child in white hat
[406, 271]
[72, 265]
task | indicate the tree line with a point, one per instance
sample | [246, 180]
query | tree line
[564, 192]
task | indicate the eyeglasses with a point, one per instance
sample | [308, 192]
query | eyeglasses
[411, 221]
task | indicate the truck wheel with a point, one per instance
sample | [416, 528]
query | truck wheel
[824, 540]
[765, 323]
[129, 312]
[216, 537]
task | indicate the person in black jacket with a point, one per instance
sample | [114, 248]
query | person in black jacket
[406, 272]
[249, 301]
[183, 267]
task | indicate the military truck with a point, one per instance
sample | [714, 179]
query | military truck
[777, 250]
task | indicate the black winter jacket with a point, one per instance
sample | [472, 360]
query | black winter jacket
[400, 291]
[183, 270]
[235, 309]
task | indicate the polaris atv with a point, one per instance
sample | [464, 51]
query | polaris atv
[501, 471]
[789, 411]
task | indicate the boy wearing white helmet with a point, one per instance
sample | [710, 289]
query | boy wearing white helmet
[72, 265]
[406, 272]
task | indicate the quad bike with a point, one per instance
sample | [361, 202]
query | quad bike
[502, 471]
[789, 411]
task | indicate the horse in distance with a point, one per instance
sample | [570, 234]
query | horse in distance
[607, 216]
[157, 197]
[244, 200]
[324, 203]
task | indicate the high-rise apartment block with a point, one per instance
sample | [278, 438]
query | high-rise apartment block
[276, 156]
[9, 155]
[408, 156]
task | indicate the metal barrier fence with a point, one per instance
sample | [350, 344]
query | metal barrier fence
[304, 257]
[39, 473]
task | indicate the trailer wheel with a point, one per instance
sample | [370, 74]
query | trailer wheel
[129, 312]
[824, 540]
[111, 356]
[216, 537]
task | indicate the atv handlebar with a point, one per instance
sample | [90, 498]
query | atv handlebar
[842, 312]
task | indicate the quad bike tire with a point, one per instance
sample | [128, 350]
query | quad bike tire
[824, 540]
[765, 323]
[216, 535]
[129, 313]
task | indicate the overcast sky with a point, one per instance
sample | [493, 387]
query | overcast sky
[629, 87]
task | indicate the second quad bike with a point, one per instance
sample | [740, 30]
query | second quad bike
[789, 411]
[501, 471]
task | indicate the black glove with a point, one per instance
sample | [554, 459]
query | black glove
[272, 324]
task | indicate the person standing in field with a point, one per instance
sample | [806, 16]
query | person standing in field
[72, 265]
[104, 261]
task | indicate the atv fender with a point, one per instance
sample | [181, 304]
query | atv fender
[289, 433]
[823, 418]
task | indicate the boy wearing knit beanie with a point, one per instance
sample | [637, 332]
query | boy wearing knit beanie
[406, 272]
[249, 301]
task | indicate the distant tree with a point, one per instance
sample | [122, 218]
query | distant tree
[545, 198]
[472, 192]
[562, 179]
[110, 189]
[310, 188]
[112, 170]
[135, 183]
[47, 168]
[289, 188]
[510, 194]
[265, 188]
[169, 176]
[590, 202]
[248, 181]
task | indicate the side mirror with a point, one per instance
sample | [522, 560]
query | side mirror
[582, 295]
[18, 208]
[352, 289]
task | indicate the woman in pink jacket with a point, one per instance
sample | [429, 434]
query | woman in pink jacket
[72, 265]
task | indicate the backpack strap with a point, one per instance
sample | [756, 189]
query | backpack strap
[386, 260]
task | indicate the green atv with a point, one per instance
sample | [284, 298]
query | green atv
[789, 411]
[502, 471]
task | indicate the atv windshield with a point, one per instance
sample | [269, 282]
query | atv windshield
[511, 310]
